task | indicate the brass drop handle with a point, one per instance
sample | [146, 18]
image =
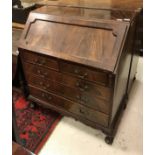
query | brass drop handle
[40, 62]
[42, 74]
[85, 87]
[41, 83]
[36, 60]
[77, 84]
[78, 97]
[82, 88]
[43, 94]
[45, 87]
[38, 71]
[48, 97]
[83, 76]
[82, 98]
[83, 111]
[45, 73]
[48, 85]
[76, 71]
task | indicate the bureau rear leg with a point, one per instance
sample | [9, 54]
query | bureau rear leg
[134, 78]
[125, 101]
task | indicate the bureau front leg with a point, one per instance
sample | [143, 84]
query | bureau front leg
[109, 139]
[114, 125]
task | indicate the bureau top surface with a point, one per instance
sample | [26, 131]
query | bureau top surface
[132, 5]
[94, 42]
[86, 12]
[102, 4]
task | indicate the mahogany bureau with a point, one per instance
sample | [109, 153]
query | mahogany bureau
[78, 61]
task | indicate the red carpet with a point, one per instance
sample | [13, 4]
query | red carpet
[34, 124]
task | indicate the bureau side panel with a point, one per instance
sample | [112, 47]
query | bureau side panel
[133, 70]
[138, 45]
[122, 72]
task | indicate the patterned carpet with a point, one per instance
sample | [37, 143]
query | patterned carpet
[35, 124]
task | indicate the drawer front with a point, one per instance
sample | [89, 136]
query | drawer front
[73, 82]
[85, 73]
[88, 100]
[67, 105]
[40, 60]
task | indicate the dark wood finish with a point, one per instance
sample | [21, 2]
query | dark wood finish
[69, 81]
[19, 150]
[95, 33]
[95, 102]
[70, 106]
[79, 61]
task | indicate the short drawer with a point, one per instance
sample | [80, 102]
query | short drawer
[84, 73]
[69, 106]
[73, 82]
[39, 60]
[94, 102]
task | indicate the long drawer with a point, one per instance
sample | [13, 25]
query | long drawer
[79, 71]
[73, 82]
[70, 106]
[86, 99]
